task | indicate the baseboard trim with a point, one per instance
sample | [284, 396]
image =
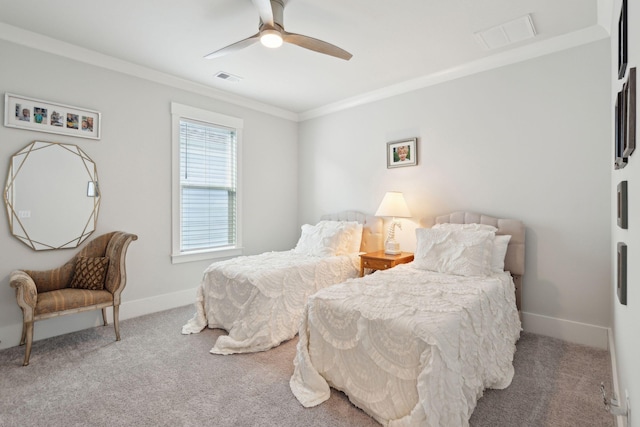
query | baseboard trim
[566, 330]
[10, 335]
[621, 421]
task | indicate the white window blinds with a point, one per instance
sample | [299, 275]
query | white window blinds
[208, 186]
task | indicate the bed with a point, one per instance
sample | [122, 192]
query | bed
[259, 299]
[416, 345]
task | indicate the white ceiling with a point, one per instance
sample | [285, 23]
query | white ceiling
[391, 41]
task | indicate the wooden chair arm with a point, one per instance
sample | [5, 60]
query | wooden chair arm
[116, 274]
[26, 292]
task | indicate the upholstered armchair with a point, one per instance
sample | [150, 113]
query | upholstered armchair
[91, 280]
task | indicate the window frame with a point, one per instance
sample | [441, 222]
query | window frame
[178, 112]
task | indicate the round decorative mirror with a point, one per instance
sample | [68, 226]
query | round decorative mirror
[52, 195]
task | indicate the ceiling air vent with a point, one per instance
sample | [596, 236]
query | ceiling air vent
[228, 77]
[507, 33]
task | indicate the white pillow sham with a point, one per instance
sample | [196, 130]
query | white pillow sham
[356, 238]
[329, 238]
[350, 235]
[316, 241]
[500, 245]
[460, 252]
[352, 239]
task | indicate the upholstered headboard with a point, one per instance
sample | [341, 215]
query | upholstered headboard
[372, 230]
[514, 260]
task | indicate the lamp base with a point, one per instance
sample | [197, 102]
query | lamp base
[392, 248]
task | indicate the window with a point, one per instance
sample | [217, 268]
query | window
[206, 202]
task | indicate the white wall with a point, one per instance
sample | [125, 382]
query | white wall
[134, 168]
[527, 141]
[626, 318]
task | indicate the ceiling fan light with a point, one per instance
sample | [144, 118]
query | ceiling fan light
[271, 38]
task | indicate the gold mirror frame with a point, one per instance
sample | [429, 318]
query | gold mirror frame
[52, 195]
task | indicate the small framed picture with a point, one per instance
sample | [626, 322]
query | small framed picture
[623, 204]
[629, 91]
[622, 273]
[402, 153]
[622, 40]
[45, 116]
[619, 161]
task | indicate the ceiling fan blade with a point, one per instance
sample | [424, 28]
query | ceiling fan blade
[234, 47]
[316, 45]
[264, 10]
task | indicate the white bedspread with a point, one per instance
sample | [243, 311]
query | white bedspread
[408, 346]
[259, 299]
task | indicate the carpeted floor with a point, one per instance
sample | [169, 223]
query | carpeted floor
[157, 377]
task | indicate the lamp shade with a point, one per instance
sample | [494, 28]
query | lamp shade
[393, 205]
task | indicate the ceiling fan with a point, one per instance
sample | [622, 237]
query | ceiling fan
[271, 33]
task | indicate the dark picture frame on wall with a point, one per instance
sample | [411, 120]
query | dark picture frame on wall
[622, 273]
[622, 40]
[629, 93]
[619, 161]
[623, 205]
[625, 121]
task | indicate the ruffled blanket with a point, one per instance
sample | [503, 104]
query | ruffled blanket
[408, 346]
[259, 299]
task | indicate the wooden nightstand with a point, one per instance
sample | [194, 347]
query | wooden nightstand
[381, 261]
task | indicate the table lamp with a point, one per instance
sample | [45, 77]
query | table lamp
[393, 205]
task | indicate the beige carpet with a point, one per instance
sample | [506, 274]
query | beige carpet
[157, 377]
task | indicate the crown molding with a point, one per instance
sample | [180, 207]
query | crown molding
[512, 56]
[56, 47]
[533, 50]
[605, 15]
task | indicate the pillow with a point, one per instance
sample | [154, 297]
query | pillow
[317, 240]
[472, 226]
[330, 238]
[500, 244]
[460, 252]
[310, 239]
[350, 235]
[356, 238]
[90, 273]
